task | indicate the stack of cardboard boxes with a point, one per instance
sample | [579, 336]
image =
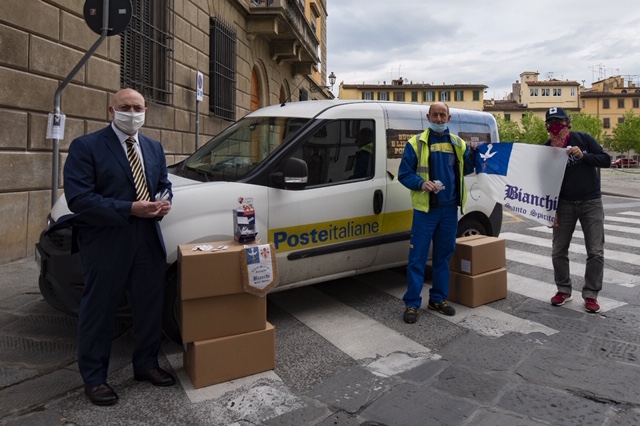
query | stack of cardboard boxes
[478, 271]
[224, 328]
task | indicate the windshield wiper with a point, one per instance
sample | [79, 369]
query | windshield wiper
[200, 172]
[203, 173]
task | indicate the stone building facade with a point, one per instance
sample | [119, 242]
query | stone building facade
[252, 53]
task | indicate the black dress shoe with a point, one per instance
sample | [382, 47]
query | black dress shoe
[157, 377]
[101, 395]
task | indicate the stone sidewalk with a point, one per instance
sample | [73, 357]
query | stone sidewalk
[624, 182]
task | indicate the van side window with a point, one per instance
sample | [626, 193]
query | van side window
[339, 151]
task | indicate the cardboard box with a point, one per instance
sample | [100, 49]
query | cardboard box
[478, 254]
[479, 289]
[209, 273]
[219, 316]
[469, 238]
[219, 360]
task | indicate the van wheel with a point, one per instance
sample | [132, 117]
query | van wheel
[170, 314]
[469, 226]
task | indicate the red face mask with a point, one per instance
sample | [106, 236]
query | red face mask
[555, 129]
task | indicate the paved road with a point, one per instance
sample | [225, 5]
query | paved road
[516, 361]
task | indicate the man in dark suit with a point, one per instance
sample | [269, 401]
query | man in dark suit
[117, 207]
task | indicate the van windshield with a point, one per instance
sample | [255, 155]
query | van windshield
[238, 150]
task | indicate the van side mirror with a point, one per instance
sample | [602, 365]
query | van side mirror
[293, 175]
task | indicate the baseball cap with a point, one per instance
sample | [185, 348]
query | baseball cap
[556, 112]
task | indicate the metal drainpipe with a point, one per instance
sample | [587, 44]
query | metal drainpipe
[58, 94]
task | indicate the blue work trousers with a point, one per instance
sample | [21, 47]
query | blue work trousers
[590, 213]
[439, 225]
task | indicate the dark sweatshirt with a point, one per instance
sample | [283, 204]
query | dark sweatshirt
[581, 177]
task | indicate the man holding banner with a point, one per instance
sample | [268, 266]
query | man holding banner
[580, 199]
[565, 192]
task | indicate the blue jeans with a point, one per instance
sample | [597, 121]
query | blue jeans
[439, 225]
[591, 216]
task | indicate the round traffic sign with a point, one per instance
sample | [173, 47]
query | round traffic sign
[120, 12]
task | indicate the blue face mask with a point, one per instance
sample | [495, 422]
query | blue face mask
[438, 128]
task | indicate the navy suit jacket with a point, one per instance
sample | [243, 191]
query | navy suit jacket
[98, 182]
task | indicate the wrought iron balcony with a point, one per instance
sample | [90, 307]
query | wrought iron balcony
[285, 25]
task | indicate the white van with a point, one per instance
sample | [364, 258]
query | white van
[297, 162]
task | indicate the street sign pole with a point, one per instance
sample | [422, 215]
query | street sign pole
[199, 97]
[98, 20]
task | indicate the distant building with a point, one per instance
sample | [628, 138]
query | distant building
[508, 109]
[610, 99]
[468, 96]
[537, 96]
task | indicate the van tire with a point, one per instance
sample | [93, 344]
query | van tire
[170, 326]
[50, 296]
[470, 226]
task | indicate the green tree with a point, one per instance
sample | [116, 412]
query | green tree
[626, 135]
[581, 122]
[509, 131]
[534, 130]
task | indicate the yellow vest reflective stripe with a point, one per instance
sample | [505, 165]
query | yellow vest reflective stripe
[367, 148]
[420, 199]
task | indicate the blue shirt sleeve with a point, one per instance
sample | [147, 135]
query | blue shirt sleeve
[407, 171]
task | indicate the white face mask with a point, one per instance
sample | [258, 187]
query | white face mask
[438, 127]
[128, 122]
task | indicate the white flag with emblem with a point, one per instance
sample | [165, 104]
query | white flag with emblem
[525, 179]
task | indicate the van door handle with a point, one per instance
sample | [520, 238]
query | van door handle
[377, 201]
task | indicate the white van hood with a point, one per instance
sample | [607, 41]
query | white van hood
[178, 181]
[61, 208]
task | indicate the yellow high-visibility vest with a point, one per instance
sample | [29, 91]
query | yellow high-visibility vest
[419, 143]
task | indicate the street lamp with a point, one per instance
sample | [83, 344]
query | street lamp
[332, 80]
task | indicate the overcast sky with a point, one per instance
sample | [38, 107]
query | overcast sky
[482, 41]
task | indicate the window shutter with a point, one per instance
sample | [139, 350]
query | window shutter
[146, 50]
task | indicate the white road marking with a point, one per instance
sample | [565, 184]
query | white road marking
[630, 242]
[574, 248]
[396, 363]
[541, 291]
[625, 229]
[215, 391]
[622, 219]
[351, 331]
[263, 402]
[610, 276]
[482, 319]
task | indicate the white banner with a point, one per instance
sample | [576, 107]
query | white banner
[526, 179]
